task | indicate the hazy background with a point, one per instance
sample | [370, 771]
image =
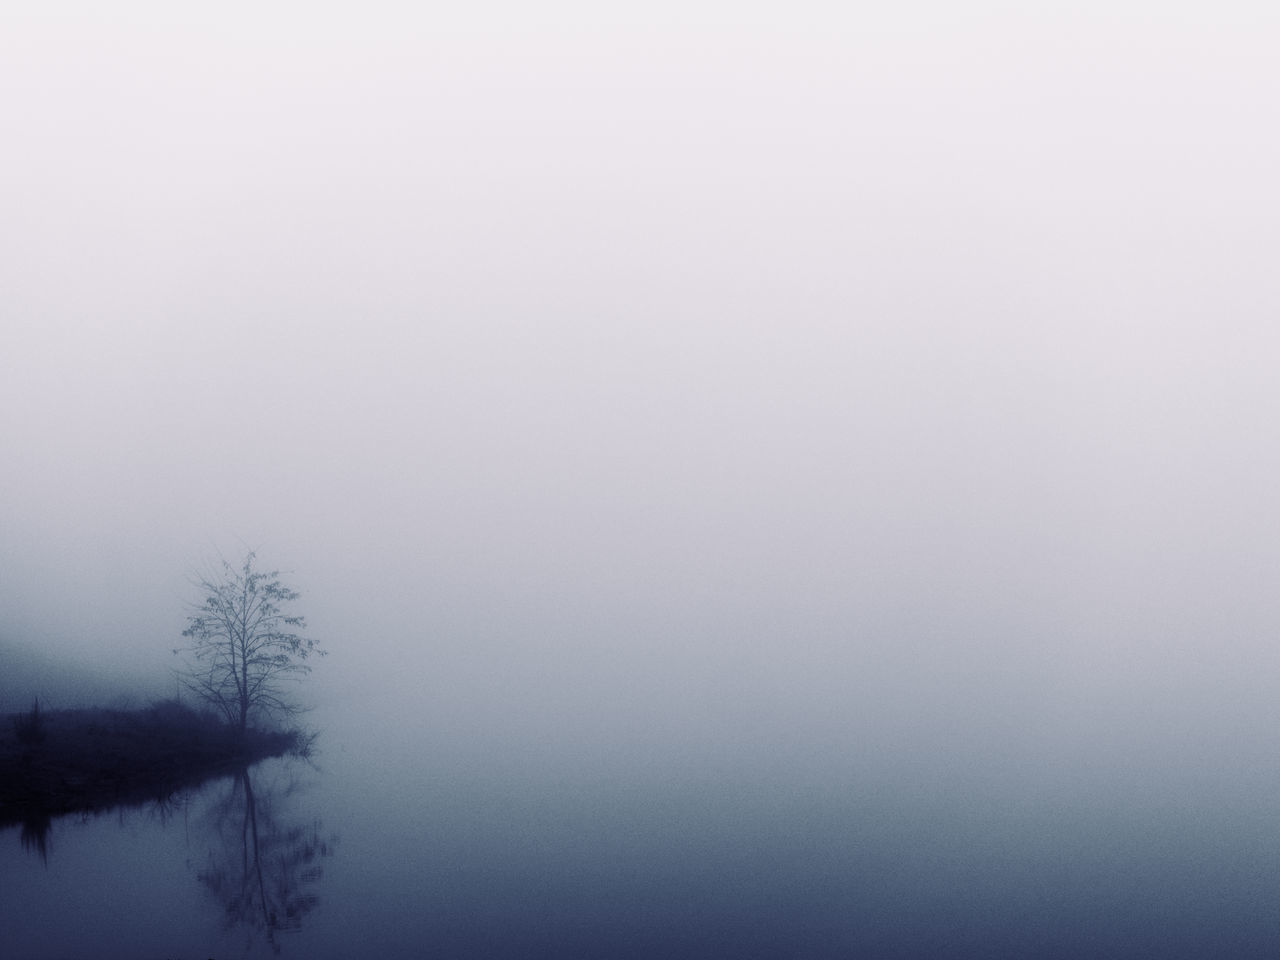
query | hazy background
[707, 383]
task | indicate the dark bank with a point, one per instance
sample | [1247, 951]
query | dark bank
[66, 761]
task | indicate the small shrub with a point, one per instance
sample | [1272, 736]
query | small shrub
[29, 727]
[303, 743]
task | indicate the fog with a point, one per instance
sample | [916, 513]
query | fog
[715, 386]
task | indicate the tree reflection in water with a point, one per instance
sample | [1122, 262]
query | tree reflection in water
[260, 869]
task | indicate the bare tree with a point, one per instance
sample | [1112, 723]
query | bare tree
[244, 645]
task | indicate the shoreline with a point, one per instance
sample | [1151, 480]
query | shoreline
[67, 761]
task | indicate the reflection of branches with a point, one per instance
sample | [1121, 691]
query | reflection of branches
[35, 833]
[264, 871]
[167, 806]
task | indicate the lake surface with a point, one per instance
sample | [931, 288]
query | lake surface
[408, 848]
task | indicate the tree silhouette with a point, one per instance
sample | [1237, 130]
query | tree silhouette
[244, 644]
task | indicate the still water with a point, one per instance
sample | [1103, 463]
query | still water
[407, 849]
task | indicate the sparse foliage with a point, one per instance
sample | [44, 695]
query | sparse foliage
[244, 645]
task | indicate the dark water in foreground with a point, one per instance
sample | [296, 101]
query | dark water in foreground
[391, 852]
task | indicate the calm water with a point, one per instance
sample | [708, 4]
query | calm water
[408, 849]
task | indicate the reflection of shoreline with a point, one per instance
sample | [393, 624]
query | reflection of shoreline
[35, 821]
[92, 761]
[260, 869]
[36, 826]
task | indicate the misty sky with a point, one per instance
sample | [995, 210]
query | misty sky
[696, 361]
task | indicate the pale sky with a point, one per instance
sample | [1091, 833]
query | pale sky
[826, 349]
